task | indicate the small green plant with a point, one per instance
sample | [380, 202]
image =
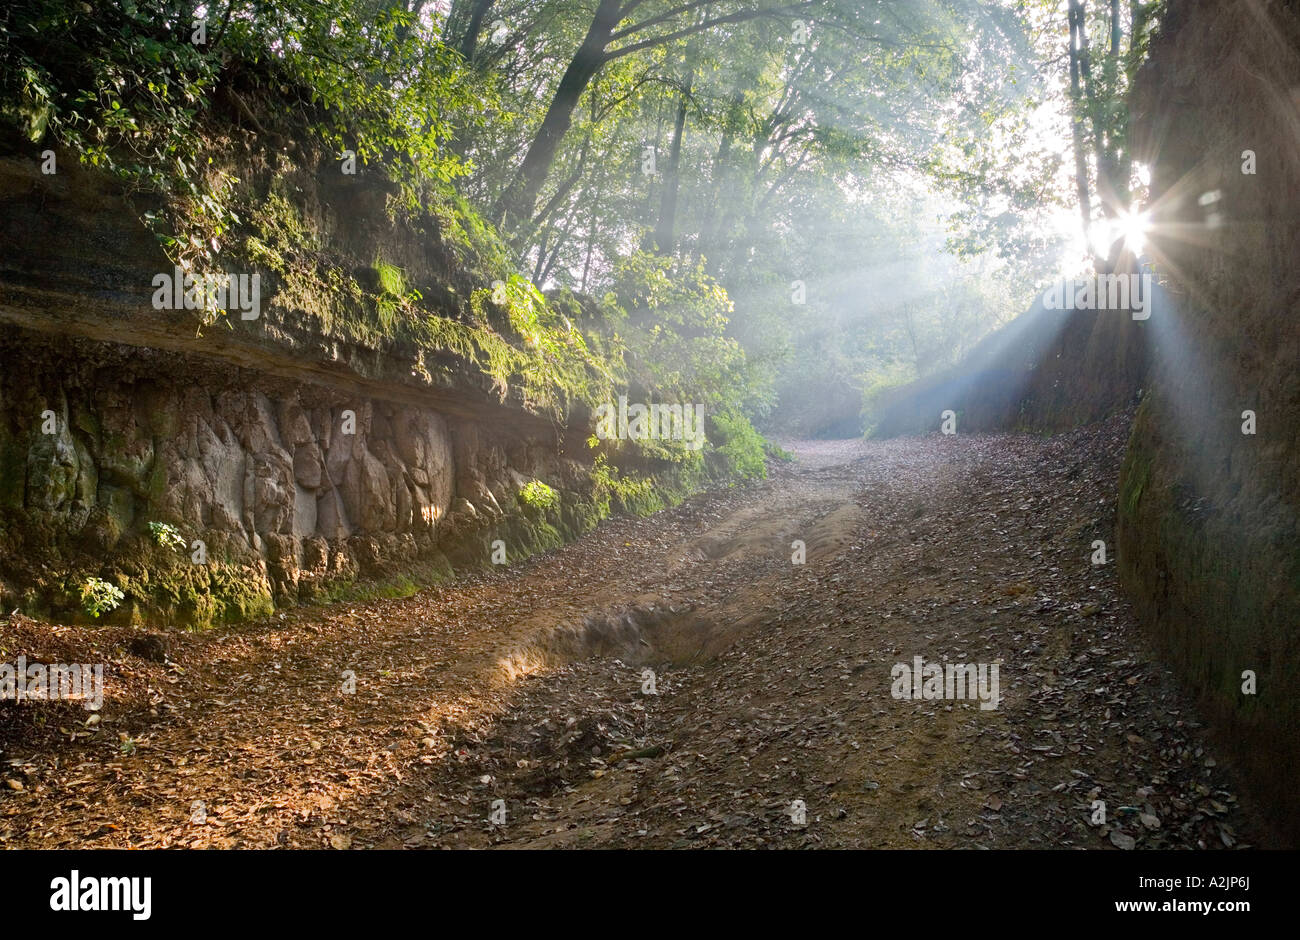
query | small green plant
[394, 297]
[633, 493]
[741, 446]
[777, 452]
[391, 279]
[99, 596]
[537, 494]
[167, 536]
[128, 746]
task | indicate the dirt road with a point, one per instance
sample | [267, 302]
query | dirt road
[676, 681]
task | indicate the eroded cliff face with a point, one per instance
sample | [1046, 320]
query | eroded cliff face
[1047, 370]
[314, 452]
[296, 490]
[1208, 512]
[1209, 493]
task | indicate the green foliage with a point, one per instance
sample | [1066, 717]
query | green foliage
[394, 297]
[391, 279]
[630, 492]
[167, 536]
[550, 360]
[877, 387]
[475, 244]
[676, 322]
[123, 88]
[795, 161]
[99, 596]
[538, 495]
[740, 445]
[374, 83]
[777, 452]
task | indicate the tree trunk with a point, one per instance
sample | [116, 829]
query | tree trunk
[721, 161]
[1107, 129]
[591, 232]
[517, 203]
[1075, 15]
[668, 203]
[469, 41]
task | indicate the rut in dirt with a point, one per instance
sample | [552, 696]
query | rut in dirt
[719, 674]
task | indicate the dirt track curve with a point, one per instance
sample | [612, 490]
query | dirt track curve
[772, 686]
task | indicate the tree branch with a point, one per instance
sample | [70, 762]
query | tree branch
[654, 20]
[739, 16]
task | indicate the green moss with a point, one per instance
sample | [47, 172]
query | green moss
[538, 495]
[282, 242]
[200, 596]
[396, 587]
[536, 350]
[1134, 482]
[85, 420]
[391, 279]
[157, 487]
[1202, 569]
[165, 588]
[579, 516]
[475, 244]
[405, 583]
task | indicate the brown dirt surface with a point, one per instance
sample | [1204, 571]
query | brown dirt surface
[772, 684]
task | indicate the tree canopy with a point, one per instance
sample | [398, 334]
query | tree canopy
[789, 200]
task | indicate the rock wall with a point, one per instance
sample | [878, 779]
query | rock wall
[317, 451]
[1047, 370]
[296, 490]
[1209, 495]
[1209, 516]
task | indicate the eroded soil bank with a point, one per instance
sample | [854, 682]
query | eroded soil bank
[772, 685]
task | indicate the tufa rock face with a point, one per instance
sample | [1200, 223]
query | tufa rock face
[311, 449]
[294, 489]
[1209, 514]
